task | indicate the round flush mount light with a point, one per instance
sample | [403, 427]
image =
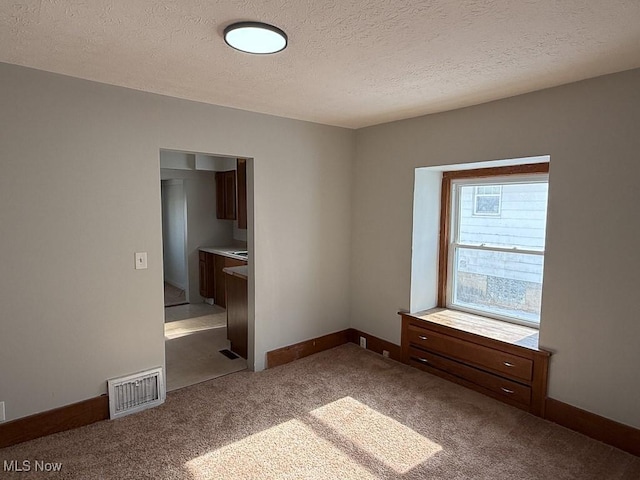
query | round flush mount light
[255, 37]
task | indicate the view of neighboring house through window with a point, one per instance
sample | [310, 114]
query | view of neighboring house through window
[487, 199]
[496, 246]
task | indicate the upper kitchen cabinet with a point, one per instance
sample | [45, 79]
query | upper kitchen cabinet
[226, 195]
[242, 193]
[231, 194]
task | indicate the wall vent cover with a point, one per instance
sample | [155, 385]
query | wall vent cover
[136, 392]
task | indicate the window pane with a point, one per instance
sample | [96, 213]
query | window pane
[488, 189]
[503, 283]
[487, 205]
[512, 216]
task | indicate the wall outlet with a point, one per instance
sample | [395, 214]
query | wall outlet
[385, 353]
[2, 416]
[363, 342]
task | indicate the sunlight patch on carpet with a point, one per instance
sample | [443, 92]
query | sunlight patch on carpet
[390, 442]
[289, 450]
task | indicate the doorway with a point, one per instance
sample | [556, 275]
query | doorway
[174, 248]
[197, 346]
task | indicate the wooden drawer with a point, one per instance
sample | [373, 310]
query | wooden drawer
[484, 357]
[516, 392]
[203, 255]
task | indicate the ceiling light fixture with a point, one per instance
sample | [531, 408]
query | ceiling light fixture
[255, 37]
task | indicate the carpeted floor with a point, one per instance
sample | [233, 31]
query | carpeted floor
[344, 413]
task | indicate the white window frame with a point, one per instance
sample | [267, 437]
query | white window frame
[455, 244]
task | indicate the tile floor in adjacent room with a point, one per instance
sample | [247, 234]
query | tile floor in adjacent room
[194, 335]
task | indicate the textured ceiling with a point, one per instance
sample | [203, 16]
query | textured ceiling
[350, 63]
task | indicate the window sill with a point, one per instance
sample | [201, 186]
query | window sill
[485, 327]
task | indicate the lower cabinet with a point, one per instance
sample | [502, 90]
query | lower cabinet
[501, 361]
[237, 314]
[212, 278]
[220, 278]
[206, 274]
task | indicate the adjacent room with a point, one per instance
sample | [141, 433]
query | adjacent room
[319, 239]
[204, 243]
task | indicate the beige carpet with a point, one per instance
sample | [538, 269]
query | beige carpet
[192, 349]
[341, 414]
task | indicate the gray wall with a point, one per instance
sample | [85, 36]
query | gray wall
[80, 193]
[592, 263]
[173, 233]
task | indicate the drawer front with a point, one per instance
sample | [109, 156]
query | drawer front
[503, 387]
[500, 362]
[203, 255]
[233, 262]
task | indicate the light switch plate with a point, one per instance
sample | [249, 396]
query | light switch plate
[141, 260]
[2, 416]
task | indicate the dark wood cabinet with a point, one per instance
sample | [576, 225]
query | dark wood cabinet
[221, 262]
[226, 195]
[237, 313]
[229, 291]
[231, 194]
[498, 359]
[219, 280]
[212, 278]
[206, 271]
[242, 193]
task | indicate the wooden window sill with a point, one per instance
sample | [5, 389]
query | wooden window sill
[485, 327]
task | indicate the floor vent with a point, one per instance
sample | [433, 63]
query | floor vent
[229, 354]
[136, 392]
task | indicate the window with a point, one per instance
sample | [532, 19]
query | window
[487, 199]
[492, 250]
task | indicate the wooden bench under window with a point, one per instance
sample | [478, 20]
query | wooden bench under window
[496, 358]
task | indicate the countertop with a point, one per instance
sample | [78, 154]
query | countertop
[240, 272]
[226, 251]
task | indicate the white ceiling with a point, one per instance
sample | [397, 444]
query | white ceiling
[350, 63]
